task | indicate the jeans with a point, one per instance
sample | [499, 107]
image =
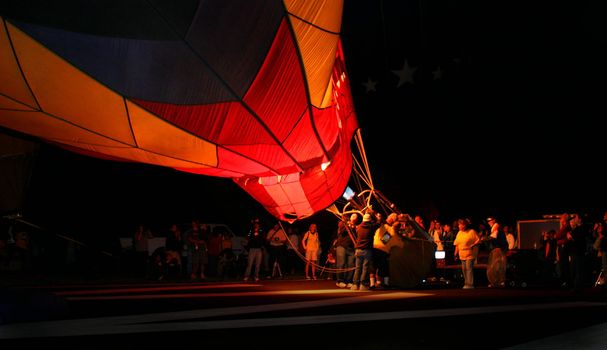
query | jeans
[344, 259]
[255, 256]
[468, 270]
[362, 257]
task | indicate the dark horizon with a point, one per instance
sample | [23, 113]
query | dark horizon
[69, 188]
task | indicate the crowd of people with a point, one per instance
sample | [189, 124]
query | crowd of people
[357, 253]
[574, 256]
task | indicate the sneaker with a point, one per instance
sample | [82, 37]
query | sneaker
[349, 285]
[354, 287]
[246, 279]
[256, 279]
[340, 284]
[308, 278]
[468, 287]
[363, 288]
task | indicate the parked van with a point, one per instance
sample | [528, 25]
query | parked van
[238, 241]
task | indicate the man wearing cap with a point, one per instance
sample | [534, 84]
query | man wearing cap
[363, 251]
[496, 264]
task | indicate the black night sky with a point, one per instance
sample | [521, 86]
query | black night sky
[500, 110]
[466, 108]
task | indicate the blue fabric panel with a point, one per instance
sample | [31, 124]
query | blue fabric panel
[234, 37]
[135, 19]
[161, 71]
[172, 52]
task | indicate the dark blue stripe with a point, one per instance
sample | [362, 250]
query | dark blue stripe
[161, 71]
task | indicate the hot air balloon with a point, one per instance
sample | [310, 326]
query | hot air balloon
[256, 91]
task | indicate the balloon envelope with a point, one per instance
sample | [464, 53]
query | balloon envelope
[254, 91]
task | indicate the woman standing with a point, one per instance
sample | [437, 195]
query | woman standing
[464, 243]
[311, 244]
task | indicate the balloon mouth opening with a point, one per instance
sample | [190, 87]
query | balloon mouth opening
[290, 217]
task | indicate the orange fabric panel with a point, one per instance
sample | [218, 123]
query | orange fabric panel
[317, 50]
[54, 129]
[64, 91]
[157, 135]
[11, 81]
[138, 155]
[328, 98]
[211, 172]
[326, 14]
[7, 103]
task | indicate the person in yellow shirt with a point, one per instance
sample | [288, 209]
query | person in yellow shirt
[384, 239]
[311, 244]
[465, 241]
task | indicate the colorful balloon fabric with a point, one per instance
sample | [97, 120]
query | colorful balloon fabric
[256, 91]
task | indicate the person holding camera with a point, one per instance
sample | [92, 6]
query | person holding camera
[277, 248]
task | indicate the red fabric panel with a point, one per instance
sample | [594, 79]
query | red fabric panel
[314, 189]
[270, 155]
[300, 195]
[327, 124]
[221, 123]
[231, 126]
[303, 145]
[324, 188]
[230, 161]
[344, 96]
[255, 190]
[231, 164]
[278, 94]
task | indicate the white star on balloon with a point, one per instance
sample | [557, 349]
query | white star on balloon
[405, 74]
[437, 74]
[370, 85]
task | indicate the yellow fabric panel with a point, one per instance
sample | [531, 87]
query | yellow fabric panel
[66, 92]
[326, 101]
[47, 127]
[326, 14]
[140, 156]
[155, 134]
[318, 49]
[52, 129]
[7, 103]
[11, 81]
